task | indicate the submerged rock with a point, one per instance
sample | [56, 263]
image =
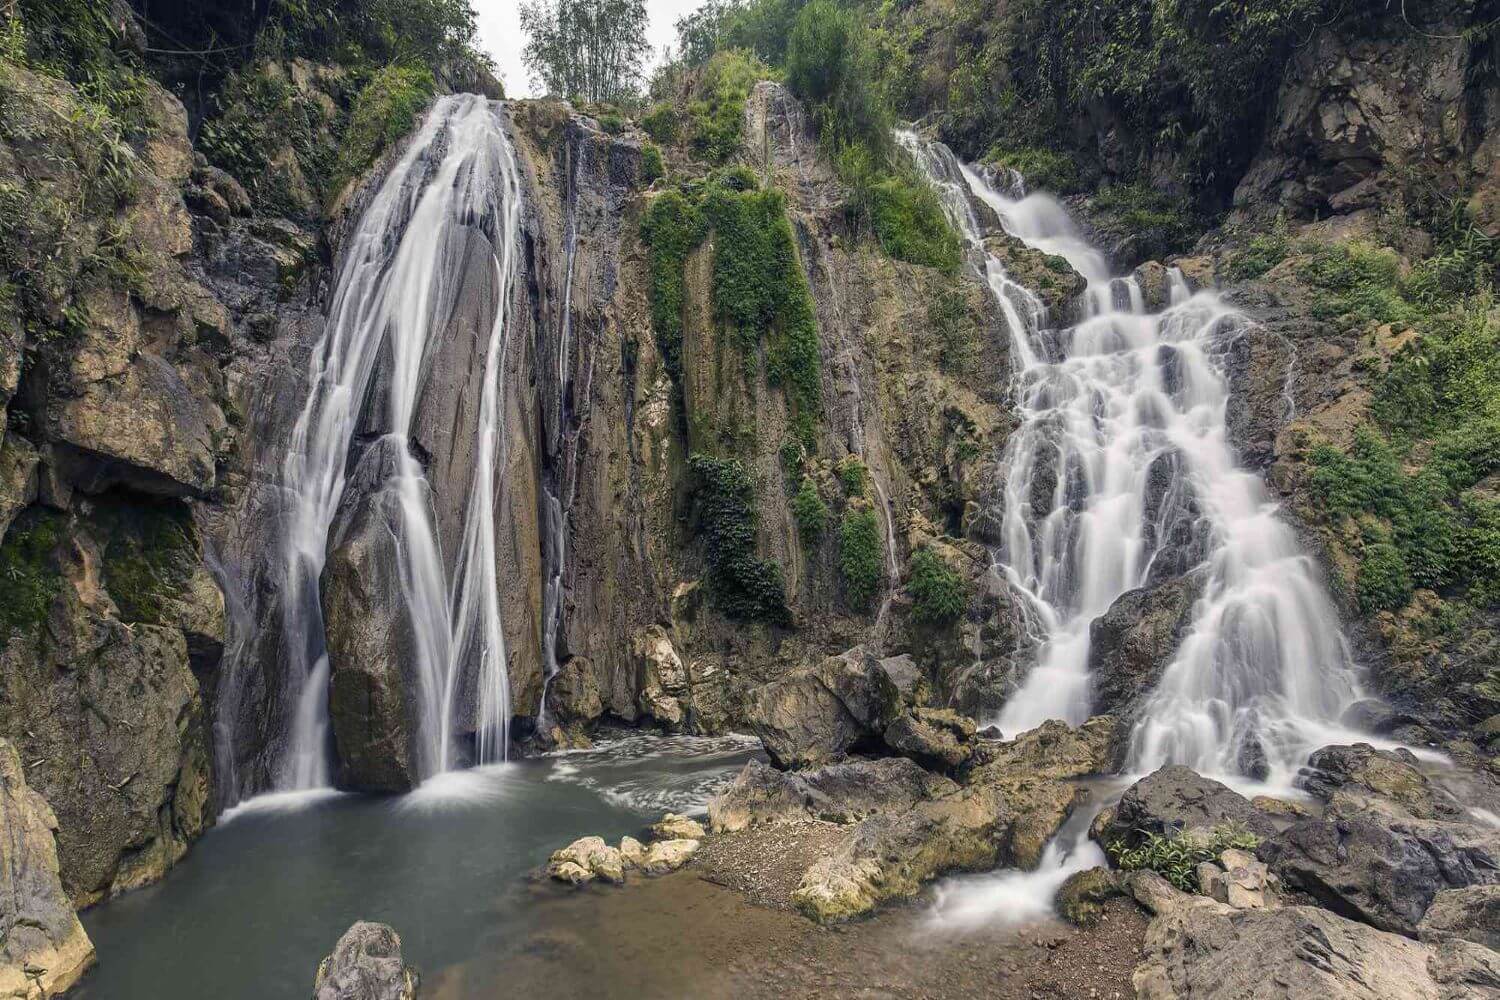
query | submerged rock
[43, 947]
[366, 964]
[586, 859]
[1132, 643]
[1391, 775]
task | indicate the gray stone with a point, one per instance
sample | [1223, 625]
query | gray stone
[43, 947]
[366, 964]
[842, 793]
[1471, 913]
[1176, 798]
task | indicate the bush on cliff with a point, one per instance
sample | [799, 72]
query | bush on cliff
[743, 587]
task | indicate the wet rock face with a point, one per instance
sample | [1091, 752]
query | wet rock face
[372, 650]
[761, 795]
[1392, 775]
[1131, 644]
[43, 948]
[366, 964]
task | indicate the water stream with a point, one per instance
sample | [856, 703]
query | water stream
[398, 284]
[1122, 475]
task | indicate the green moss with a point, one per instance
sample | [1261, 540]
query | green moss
[29, 577]
[938, 593]
[1263, 252]
[257, 117]
[1360, 282]
[150, 554]
[810, 512]
[384, 111]
[955, 328]
[672, 228]
[1149, 214]
[743, 587]
[1176, 858]
[861, 555]
[1383, 582]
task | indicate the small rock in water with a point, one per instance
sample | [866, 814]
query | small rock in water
[366, 964]
[667, 856]
[585, 859]
[631, 852]
[675, 827]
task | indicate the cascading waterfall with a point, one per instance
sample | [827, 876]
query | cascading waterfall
[1123, 424]
[397, 284]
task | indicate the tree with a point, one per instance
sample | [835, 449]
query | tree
[593, 50]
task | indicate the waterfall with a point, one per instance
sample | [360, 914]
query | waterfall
[398, 283]
[1123, 424]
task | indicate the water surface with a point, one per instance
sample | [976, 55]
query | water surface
[264, 896]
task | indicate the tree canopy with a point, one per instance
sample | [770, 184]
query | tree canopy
[594, 50]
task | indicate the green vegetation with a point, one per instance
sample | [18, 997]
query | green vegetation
[810, 511]
[1044, 169]
[29, 578]
[1148, 214]
[1176, 858]
[759, 290]
[948, 316]
[1411, 484]
[861, 555]
[79, 41]
[938, 593]
[1263, 252]
[853, 476]
[660, 123]
[652, 167]
[384, 110]
[716, 115]
[743, 587]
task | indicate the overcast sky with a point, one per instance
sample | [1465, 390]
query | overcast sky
[500, 32]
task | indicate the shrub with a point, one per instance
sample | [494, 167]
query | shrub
[660, 123]
[1042, 169]
[1383, 582]
[1263, 252]
[853, 476]
[652, 167]
[1176, 858]
[861, 555]
[938, 593]
[672, 228]
[1360, 281]
[743, 587]
[717, 112]
[810, 511]
[1147, 213]
[957, 333]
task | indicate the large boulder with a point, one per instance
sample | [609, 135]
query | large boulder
[366, 964]
[1132, 642]
[1471, 913]
[761, 795]
[43, 948]
[662, 678]
[817, 714]
[1175, 798]
[1215, 952]
[939, 739]
[1392, 775]
[891, 854]
[1055, 750]
[1379, 865]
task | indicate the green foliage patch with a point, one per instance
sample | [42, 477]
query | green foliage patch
[810, 512]
[716, 115]
[385, 110]
[760, 292]
[861, 555]
[938, 593]
[1042, 168]
[150, 554]
[743, 587]
[1176, 858]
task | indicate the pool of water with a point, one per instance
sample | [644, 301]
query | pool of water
[263, 897]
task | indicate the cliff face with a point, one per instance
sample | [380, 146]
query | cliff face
[683, 517]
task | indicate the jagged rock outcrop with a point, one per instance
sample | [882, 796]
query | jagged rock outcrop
[366, 964]
[43, 947]
[1200, 948]
[838, 793]
[1471, 913]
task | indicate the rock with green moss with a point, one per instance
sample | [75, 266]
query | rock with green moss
[1081, 898]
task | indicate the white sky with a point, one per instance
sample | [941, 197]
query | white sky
[500, 34]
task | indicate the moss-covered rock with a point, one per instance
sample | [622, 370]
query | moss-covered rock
[1081, 898]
